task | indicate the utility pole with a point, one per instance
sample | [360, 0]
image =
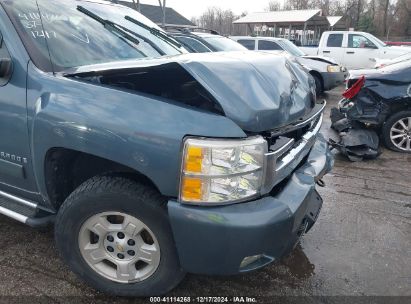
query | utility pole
[163, 8]
[137, 6]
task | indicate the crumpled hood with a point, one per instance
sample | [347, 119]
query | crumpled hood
[258, 91]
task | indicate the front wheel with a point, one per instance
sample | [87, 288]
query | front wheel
[114, 233]
[397, 132]
[318, 85]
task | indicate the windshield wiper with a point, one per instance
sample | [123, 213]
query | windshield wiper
[156, 32]
[109, 24]
[119, 29]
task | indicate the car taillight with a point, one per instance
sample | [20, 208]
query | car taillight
[354, 89]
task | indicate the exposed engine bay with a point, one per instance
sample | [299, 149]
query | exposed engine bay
[170, 81]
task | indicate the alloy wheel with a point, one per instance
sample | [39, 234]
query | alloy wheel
[119, 247]
[400, 134]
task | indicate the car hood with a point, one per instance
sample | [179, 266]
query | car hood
[399, 76]
[397, 50]
[355, 74]
[258, 91]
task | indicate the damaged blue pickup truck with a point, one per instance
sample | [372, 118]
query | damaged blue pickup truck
[149, 161]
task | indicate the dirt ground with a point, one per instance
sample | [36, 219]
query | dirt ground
[360, 246]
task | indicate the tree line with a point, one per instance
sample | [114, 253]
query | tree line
[384, 18]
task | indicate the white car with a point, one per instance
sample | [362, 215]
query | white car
[355, 50]
[327, 73]
[384, 62]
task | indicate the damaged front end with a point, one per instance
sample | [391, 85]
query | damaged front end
[258, 187]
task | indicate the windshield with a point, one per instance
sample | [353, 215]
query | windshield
[290, 48]
[63, 32]
[224, 44]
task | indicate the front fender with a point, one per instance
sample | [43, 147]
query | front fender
[141, 132]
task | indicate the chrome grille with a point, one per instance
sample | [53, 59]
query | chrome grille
[287, 153]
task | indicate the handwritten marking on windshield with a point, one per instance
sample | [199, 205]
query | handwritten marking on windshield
[83, 39]
[44, 34]
[32, 24]
[36, 16]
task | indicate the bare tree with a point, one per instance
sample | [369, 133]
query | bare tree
[381, 17]
[385, 7]
[217, 19]
[274, 5]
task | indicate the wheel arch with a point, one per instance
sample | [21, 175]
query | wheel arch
[66, 169]
[400, 106]
[315, 73]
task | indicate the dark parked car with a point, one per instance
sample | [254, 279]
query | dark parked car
[204, 41]
[382, 98]
[152, 162]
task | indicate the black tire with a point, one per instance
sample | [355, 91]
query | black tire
[386, 130]
[103, 194]
[318, 85]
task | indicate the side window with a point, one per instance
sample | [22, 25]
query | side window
[335, 40]
[5, 63]
[264, 45]
[360, 42]
[249, 44]
[193, 45]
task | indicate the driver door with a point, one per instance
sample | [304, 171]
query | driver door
[16, 175]
[360, 52]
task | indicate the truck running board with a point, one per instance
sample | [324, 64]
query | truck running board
[24, 211]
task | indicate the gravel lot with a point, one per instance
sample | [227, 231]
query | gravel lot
[359, 246]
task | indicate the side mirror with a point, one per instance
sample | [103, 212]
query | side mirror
[6, 66]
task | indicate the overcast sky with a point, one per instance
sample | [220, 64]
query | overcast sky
[194, 8]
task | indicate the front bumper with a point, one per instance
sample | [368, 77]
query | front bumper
[215, 240]
[333, 80]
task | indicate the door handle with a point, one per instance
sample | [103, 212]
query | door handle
[326, 52]
[350, 52]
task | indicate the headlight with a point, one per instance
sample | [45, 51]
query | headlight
[333, 68]
[221, 171]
